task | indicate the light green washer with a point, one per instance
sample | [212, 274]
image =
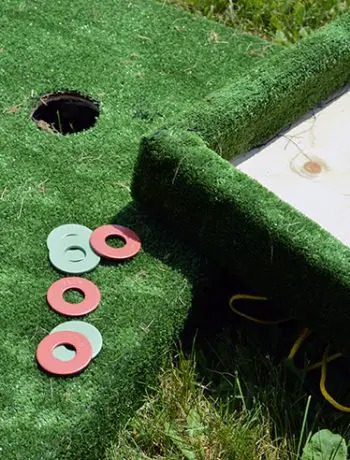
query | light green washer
[73, 254]
[88, 330]
[58, 233]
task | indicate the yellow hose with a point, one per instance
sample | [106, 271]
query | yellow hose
[323, 389]
[298, 343]
[236, 297]
[296, 346]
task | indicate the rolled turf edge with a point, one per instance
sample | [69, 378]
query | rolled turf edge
[182, 175]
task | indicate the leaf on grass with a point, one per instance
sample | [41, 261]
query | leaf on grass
[195, 426]
[324, 445]
[186, 451]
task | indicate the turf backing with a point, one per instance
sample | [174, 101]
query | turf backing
[145, 62]
[183, 175]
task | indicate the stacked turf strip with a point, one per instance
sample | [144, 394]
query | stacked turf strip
[145, 63]
[182, 174]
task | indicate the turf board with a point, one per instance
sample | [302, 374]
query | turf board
[145, 63]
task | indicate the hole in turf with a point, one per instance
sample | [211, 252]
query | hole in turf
[66, 113]
[115, 241]
[73, 296]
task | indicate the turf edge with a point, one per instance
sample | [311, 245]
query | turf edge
[235, 221]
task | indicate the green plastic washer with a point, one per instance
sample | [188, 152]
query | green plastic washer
[88, 330]
[61, 232]
[73, 255]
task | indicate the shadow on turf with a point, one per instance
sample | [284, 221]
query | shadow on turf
[226, 345]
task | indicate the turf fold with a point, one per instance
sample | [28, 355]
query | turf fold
[183, 175]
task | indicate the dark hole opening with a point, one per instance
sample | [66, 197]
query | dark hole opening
[115, 241]
[66, 113]
[69, 347]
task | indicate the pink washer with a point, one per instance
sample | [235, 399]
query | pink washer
[55, 299]
[82, 358]
[98, 242]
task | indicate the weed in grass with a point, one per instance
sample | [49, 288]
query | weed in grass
[224, 401]
[180, 421]
[325, 445]
[230, 395]
[241, 371]
[283, 21]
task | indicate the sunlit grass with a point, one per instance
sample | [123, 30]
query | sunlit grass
[228, 400]
[180, 420]
[283, 21]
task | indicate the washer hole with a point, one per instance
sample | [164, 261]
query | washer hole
[115, 241]
[75, 254]
[66, 113]
[73, 296]
[69, 347]
[64, 352]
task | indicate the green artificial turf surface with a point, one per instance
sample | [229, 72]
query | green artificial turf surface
[182, 174]
[146, 63]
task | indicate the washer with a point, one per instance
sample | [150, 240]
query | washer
[98, 241]
[73, 255]
[61, 232]
[88, 330]
[52, 365]
[55, 299]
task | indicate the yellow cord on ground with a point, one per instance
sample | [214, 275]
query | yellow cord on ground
[296, 346]
[323, 389]
[329, 360]
[236, 297]
[298, 343]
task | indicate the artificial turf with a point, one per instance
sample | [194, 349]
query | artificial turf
[145, 63]
[232, 218]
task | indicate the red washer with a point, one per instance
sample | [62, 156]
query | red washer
[82, 358]
[99, 244]
[55, 299]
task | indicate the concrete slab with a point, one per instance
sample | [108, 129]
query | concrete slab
[308, 165]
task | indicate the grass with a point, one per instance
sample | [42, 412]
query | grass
[181, 420]
[283, 21]
[185, 418]
[229, 395]
[188, 416]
